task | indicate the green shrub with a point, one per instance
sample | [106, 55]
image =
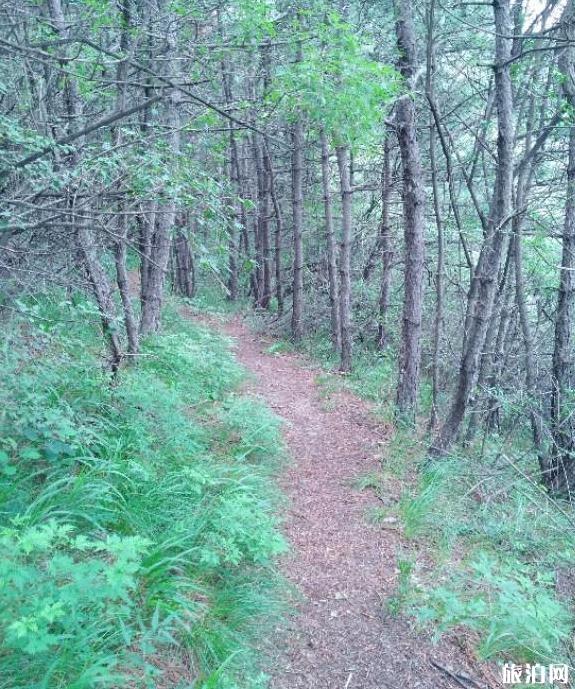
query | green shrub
[137, 516]
[510, 604]
[501, 540]
[68, 605]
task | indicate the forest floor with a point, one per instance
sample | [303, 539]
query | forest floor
[342, 635]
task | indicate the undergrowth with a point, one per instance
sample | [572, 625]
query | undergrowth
[504, 558]
[137, 516]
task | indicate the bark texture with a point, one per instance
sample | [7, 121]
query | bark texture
[335, 326]
[413, 218]
[345, 258]
[560, 474]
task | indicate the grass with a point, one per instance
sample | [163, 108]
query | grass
[490, 546]
[139, 510]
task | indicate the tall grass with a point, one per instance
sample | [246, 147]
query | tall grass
[138, 524]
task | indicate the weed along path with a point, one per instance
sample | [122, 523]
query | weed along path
[341, 635]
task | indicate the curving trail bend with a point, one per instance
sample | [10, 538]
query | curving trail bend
[341, 635]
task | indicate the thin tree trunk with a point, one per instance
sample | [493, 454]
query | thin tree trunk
[233, 245]
[121, 245]
[103, 294]
[413, 219]
[166, 213]
[560, 474]
[345, 258]
[233, 242]
[438, 322]
[331, 246]
[297, 213]
[120, 254]
[258, 272]
[485, 276]
[387, 253]
[84, 237]
[263, 236]
[278, 233]
[487, 377]
[184, 264]
[524, 178]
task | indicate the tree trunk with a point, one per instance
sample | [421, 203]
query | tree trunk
[121, 245]
[387, 253]
[166, 213]
[345, 259]
[484, 284]
[438, 322]
[233, 242]
[185, 281]
[103, 294]
[278, 233]
[560, 474]
[297, 219]
[491, 355]
[263, 235]
[84, 237]
[523, 184]
[331, 247]
[413, 219]
[120, 254]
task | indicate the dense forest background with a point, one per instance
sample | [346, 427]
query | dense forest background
[389, 185]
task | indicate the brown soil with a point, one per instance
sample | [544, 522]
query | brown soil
[341, 635]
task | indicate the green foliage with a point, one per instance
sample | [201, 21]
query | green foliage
[499, 542]
[396, 602]
[373, 376]
[335, 85]
[510, 604]
[280, 347]
[68, 597]
[252, 426]
[136, 516]
[253, 20]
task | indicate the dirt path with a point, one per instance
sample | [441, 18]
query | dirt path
[341, 637]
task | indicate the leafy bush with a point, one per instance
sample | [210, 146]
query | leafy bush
[129, 530]
[501, 541]
[511, 605]
[66, 601]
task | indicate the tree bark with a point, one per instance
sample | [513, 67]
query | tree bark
[523, 184]
[103, 294]
[560, 474]
[185, 273]
[345, 259]
[263, 234]
[84, 237]
[278, 233]
[153, 297]
[121, 245]
[413, 218]
[297, 220]
[387, 252]
[331, 247]
[438, 322]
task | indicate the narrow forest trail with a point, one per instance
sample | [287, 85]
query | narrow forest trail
[342, 636]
